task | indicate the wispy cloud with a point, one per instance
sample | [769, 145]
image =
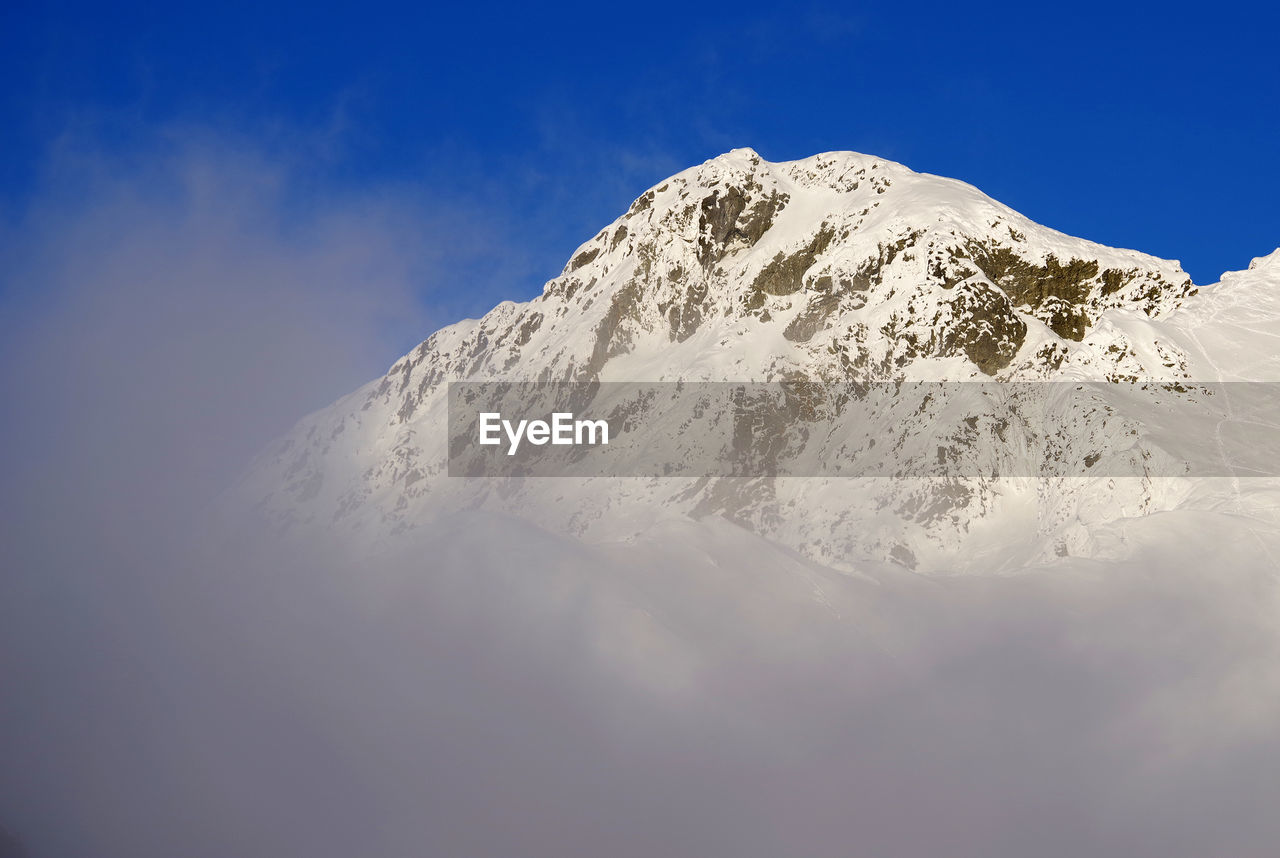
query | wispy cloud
[197, 295]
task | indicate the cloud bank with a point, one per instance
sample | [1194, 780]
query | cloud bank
[484, 688]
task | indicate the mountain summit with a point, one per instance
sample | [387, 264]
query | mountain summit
[740, 268]
[839, 268]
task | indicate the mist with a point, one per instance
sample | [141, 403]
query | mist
[165, 314]
[175, 683]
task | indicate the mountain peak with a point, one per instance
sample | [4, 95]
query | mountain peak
[916, 267]
[742, 153]
[837, 268]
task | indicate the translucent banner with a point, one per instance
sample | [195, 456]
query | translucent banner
[905, 430]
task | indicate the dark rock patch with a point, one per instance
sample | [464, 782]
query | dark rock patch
[784, 274]
[987, 328]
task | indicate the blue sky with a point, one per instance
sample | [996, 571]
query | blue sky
[1153, 128]
[216, 217]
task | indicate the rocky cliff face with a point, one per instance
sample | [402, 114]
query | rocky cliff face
[837, 268]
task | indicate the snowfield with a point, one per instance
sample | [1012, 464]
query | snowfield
[970, 666]
[840, 269]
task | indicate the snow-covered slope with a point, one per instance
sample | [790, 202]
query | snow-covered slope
[835, 268]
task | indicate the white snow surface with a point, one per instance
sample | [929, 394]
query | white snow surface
[837, 267]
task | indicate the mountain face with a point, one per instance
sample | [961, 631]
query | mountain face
[840, 268]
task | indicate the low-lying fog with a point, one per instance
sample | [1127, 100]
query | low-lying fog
[169, 686]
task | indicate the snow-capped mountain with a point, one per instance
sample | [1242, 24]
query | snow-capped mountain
[840, 268]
